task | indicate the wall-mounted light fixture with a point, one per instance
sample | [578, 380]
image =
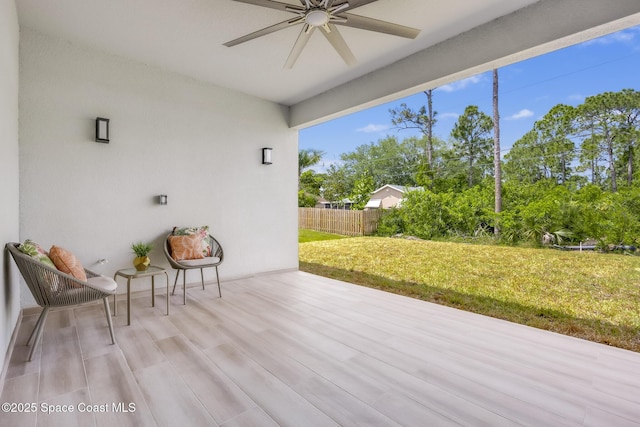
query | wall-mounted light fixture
[162, 199]
[102, 130]
[266, 156]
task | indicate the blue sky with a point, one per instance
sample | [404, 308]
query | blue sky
[528, 90]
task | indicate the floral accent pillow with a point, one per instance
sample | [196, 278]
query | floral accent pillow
[34, 250]
[203, 232]
[66, 262]
[186, 247]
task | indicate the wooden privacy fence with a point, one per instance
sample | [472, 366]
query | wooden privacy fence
[339, 221]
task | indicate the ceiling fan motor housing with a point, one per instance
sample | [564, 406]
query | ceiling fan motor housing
[325, 15]
[317, 17]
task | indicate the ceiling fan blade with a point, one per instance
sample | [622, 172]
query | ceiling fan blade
[365, 23]
[338, 43]
[272, 4]
[303, 38]
[352, 3]
[260, 33]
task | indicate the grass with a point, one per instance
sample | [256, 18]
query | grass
[305, 236]
[583, 294]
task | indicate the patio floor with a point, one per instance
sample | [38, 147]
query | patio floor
[295, 349]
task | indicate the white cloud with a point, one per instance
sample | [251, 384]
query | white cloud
[624, 36]
[373, 128]
[447, 116]
[577, 97]
[461, 84]
[522, 114]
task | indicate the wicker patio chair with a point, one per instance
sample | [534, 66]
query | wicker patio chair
[53, 288]
[213, 261]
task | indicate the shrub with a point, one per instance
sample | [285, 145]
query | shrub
[424, 214]
[470, 213]
[529, 212]
[306, 200]
[391, 223]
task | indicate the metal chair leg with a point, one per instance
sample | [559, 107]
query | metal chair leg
[175, 282]
[202, 278]
[36, 326]
[218, 279]
[184, 286]
[109, 320]
[40, 325]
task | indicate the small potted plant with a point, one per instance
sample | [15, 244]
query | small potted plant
[142, 261]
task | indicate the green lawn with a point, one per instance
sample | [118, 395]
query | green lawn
[587, 295]
[305, 236]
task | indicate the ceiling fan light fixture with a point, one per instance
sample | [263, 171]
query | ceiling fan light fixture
[328, 15]
[317, 17]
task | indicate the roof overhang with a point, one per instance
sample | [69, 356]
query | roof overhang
[458, 38]
[540, 28]
[373, 204]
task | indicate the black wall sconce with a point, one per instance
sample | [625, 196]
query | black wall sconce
[102, 130]
[162, 199]
[266, 156]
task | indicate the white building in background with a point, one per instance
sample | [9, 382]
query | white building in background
[388, 196]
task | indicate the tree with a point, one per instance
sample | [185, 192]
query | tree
[590, 158]
[555, 129]
[308, 183]
[472, 143]
[497, 169]
[308, 158]
[432, 122]
[361, 192]
[451, 173]
[628, 112]
[311, 182]
[423, 120]
[387, 161]
[306, 200]
[338, 185]
[525, 161]
[604, 115]
[629, 159]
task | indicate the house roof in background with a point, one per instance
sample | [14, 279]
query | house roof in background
[401, 188]
[373, 204]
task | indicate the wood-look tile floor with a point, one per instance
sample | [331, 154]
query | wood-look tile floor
[294, 349]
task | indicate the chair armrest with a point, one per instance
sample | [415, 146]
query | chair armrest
[90, 273]
[50, 286]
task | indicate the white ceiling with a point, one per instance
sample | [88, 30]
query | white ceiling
[186, 36]
[458, 38]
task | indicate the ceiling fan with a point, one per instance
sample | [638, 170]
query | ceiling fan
[325, 15]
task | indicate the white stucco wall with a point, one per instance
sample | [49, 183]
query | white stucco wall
[9, 221]
[200, 144]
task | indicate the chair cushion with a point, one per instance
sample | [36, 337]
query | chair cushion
[34, 250]
[202, 231]
[102, 282]
[66, 262]
[200, 262]
[186, 247]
